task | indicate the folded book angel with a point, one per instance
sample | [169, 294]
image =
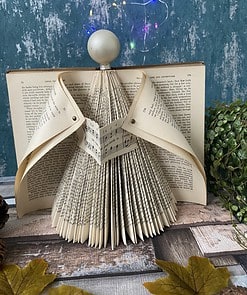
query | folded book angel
[117, 158]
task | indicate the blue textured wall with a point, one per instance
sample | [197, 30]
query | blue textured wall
[43, 33]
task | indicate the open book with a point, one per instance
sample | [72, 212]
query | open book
[110, 151]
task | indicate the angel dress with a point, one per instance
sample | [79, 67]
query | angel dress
[124, 197]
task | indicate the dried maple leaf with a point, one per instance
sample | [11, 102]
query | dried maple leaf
[30, 280]
[68, 290]
[199, 277]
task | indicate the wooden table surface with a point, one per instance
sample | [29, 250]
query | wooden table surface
[199, 230]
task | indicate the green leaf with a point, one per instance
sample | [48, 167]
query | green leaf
[199, 277]
[30, 280]
[242, 154]
[68, 290]
[234, 208]
[211, 134]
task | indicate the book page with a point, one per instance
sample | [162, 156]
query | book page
[101, 142]
[37, 189]
[30, 94]
[185, 180]
[56, 118]
[59, 119]
[182, 89]
[28, 97]
[168, 110]
[149, 118]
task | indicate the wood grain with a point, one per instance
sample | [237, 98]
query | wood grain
[176, 245]
[76, 260]
[238, 275]
[195, 214]
[242, 259]
[239, 281]
[236, 270]
[34, 224]
[220, 261]
[39, 222]
[215, 240]
[199, 230]
[120, 285]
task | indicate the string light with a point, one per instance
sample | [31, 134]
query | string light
[146, 28]
[132, 45]
[143, 31]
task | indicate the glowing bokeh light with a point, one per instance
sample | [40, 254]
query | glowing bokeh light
[143, 20]
[146, 22]
[132, 45]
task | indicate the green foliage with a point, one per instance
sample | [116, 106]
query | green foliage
[226, 155]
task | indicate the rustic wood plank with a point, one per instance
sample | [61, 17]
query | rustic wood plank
[33, 236]
[10, 201]
[236, 270]
[218, 239]
[238, 275]
[39, 222]
[190, 214]
[34, 224]
[242, 259]
[223, 261]
[119, 285]
[239, 281]
[77, 260]
[176, 245]
[7, 179]
[7, 186]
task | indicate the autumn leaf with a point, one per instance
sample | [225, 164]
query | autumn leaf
[30, 280]
[199, 277]
[68, 290]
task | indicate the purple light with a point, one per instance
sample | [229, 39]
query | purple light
[146, 28]
[156, 25]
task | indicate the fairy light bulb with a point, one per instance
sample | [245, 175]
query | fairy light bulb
[103, 46]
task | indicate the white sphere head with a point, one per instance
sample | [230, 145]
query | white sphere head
[103, 46]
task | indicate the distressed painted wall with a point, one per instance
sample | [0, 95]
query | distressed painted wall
[43, 33]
